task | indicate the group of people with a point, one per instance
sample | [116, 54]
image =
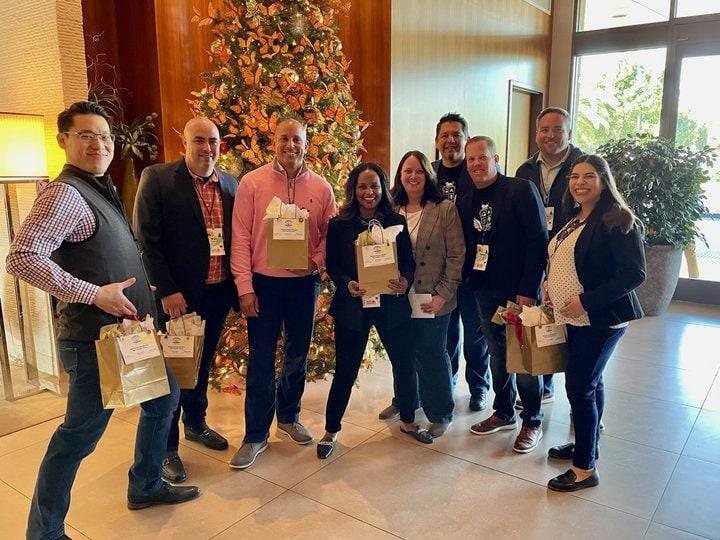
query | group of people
[471, 240]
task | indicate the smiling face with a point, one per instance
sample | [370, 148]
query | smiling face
[202, 145]
[450, 142]
[412, 176]
[290, 146]
[481, 163]
[93, 157]
[585, 185]
[368, 192]
[552, 136]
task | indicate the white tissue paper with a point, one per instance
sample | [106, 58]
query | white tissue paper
[278, 209]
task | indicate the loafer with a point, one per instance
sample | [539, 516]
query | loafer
[492, 425]
[173, 469]
[478, 402]
[418, 434]
[167, 494]
[528, 439]
[567, 481]
[567, 452]
[247, 453]
[438, 429]
[325, 448]
[389, 412]
[208, 437]
[296, 431]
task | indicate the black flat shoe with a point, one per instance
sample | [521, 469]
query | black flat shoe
[167, 494]
[567, 452]
[209, 437]
[567, 481]
[325, 448]
[419, 435]
[173, 469]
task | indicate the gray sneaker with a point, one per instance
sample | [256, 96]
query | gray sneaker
[389, 413]
[297, 432]
[438, 429]
[246, 454]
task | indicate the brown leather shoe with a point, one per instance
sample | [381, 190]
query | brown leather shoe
[528, 439]
[492, 425]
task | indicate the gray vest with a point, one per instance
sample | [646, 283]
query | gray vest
[110, 255]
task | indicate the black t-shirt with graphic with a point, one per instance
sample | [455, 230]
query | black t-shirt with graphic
[482, 226]
[448, 178]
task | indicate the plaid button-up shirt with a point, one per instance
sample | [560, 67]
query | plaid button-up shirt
[208, 194]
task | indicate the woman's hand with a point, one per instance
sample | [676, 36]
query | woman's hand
[354, 289]
[433, 306]
[398, 286]
[572, 307]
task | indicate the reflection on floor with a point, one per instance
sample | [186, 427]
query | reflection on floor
[660, 464]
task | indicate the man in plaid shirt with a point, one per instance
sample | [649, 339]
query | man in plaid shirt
[77, 245]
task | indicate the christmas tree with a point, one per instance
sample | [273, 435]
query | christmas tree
[272, 58]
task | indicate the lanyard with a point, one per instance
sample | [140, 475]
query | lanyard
[212, 204]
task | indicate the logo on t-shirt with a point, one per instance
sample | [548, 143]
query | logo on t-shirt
[448, 191]
[483, 222]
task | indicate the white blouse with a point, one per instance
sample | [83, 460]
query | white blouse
[413, 223]
[563, 280]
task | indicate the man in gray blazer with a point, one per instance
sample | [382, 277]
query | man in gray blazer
[182, 221]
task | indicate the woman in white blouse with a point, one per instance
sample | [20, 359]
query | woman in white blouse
[595, 263]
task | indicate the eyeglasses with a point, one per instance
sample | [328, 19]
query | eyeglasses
[555, 130]
[88, 136]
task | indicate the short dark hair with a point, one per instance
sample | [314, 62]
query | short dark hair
[66, 118]
[350, 209]
[480, 138]
[557, 110]
[431, 192]
[452, 117]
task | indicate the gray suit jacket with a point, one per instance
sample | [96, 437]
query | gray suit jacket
[439, 253]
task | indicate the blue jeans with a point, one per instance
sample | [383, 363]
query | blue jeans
[290, 303]
[529, 387]
[84, 423]
[473, 342]
[589, 349]
[432, 365]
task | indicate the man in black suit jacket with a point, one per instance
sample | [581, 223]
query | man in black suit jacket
[506, 238]
[182, 219]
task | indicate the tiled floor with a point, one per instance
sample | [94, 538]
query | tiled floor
[660, 465]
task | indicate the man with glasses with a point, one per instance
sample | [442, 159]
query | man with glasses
[548, 169]
[77, 245]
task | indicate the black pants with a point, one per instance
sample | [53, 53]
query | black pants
[193, 402]
[350, 345]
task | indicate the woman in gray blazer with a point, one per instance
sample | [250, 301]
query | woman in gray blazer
[439, 250]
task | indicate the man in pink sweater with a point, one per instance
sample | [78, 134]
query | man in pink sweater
[271, 297]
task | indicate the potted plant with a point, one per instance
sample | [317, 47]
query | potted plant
[663, 184]
[134, 141]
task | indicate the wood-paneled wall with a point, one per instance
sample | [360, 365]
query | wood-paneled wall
[459, 55]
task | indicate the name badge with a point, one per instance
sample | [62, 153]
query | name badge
[550, 334]
[371, 301]
[481, 257]
[549, 216]
[288, 229]
[137, 347]
[178, 346]
[377, 255]
[217, 244]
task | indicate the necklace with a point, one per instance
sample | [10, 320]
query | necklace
[417, 223]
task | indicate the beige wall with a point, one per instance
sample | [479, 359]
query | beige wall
[459, 55]
[42, 55]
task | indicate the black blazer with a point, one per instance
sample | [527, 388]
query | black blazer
[610, 264]
[518, 245]
[340, 260]
[171, 230]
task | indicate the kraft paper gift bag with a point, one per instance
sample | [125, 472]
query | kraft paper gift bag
[182, 348]
[376, 258]
[131, 370]
[287, 236]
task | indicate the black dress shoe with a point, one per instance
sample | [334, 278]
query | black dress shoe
[325, 448]
[568, 481]
[167, 494]
[203, 434]
[173, 469]
[478, 402]
[567, 452]
[419, 435]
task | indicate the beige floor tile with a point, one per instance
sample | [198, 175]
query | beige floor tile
[227, 496]
[713, 398]
[692, 498]
[661, 532]
[415, 493]
[13, 513]
[29, 411]
[28, 436]
[294, 516]
[704, 441]
[692, 313]
[690, 350]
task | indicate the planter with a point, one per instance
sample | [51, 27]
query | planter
[129, 185]
[663, 270]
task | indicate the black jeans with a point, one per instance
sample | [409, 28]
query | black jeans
[349, 348]
[84, 423]
[290, 303]
[529, 387]
[589, 348]
[432, 367]
[473, 343]
[193, 402]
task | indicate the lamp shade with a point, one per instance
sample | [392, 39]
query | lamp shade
[22, 146]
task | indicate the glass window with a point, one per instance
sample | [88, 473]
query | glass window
[687, 8]
[598, 14]
[617, 94]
